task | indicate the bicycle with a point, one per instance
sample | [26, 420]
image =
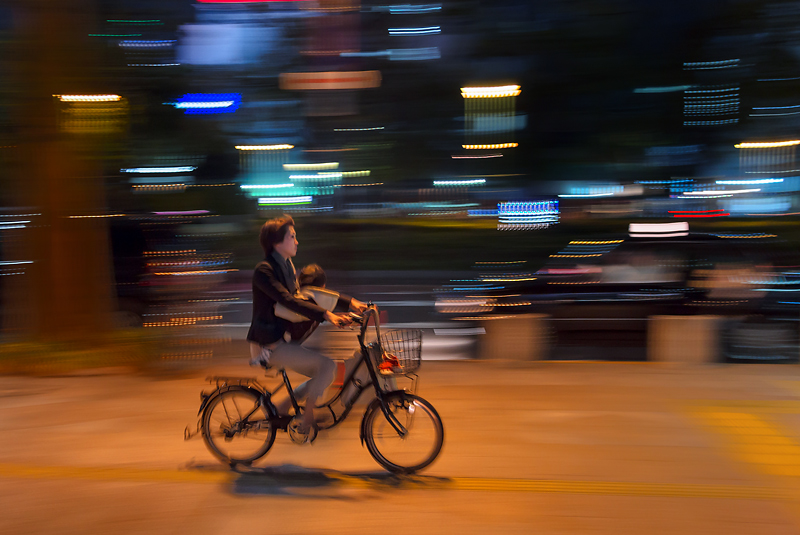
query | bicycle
[402, 431]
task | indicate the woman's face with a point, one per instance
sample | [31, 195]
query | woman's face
[288, 247]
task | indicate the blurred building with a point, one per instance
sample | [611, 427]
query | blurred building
[368, 97]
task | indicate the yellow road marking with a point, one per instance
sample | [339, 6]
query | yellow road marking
[605, 488]
[617, 488]
[755, 440]
[8, 470]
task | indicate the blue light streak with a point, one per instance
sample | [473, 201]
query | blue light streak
[208, 103]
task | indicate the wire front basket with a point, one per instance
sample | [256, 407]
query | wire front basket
[401, 352]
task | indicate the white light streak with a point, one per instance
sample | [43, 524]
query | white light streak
[719, 192]
[318, 176]
[147, 44]
[265, 186]
[581, 195]
[477, 157]
[478, 181]
[415, 31]
[183, 169]
[310, 166]
[774, 114]
[658, 230]
[265, 147]
[705, 65]
[778, 107]
[754, 181]
[358, 129]
[406, 9]
[303, 199]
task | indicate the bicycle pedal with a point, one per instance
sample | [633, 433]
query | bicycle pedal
[296, 434]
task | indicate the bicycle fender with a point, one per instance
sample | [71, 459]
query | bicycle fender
[375, 405]
[206, 398]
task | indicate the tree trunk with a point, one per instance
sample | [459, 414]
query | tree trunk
[66, 292]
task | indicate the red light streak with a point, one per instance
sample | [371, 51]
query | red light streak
[698, 213]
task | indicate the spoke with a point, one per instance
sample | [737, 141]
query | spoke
[416, 446]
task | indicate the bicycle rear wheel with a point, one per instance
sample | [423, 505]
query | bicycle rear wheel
[408, 443]
[236, 427]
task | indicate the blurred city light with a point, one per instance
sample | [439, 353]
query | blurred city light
[206, 103]
[266, 186]
[753, 181]
[473, 182]
[492, 146]
[524, 215]
[699, 213]
[336, 110]
[128, 43]
[177, 169]
[265, 147]
[408, 9]
[299, 81]
[710, 193]
[310, 166]
[491, 92]
[766, 145]
[284, 201]
[658, 230]
[415, 31]
[88, 98]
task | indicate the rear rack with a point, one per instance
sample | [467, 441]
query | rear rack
[221, 381]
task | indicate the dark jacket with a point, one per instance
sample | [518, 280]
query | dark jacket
[270, 287]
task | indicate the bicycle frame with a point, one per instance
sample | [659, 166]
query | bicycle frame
[224, 384]
[364, 360]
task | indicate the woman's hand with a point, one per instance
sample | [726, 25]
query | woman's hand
[357, 306]
[340, 320]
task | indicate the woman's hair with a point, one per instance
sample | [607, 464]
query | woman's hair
[274, 231]
[312, 275]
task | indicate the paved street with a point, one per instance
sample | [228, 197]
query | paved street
[550, 447]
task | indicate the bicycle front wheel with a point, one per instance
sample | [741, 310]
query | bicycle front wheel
[409, 438]
[236, 427]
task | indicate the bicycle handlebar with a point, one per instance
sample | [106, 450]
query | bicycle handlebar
[363, 320]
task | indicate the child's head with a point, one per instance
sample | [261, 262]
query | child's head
[312, 275]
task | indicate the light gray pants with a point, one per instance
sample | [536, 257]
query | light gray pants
[294, 357]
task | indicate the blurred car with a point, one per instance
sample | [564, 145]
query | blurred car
[602, 292]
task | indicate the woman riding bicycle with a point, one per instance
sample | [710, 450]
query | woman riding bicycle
[275, 282]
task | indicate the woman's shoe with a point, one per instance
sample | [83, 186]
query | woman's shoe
[299, 433]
